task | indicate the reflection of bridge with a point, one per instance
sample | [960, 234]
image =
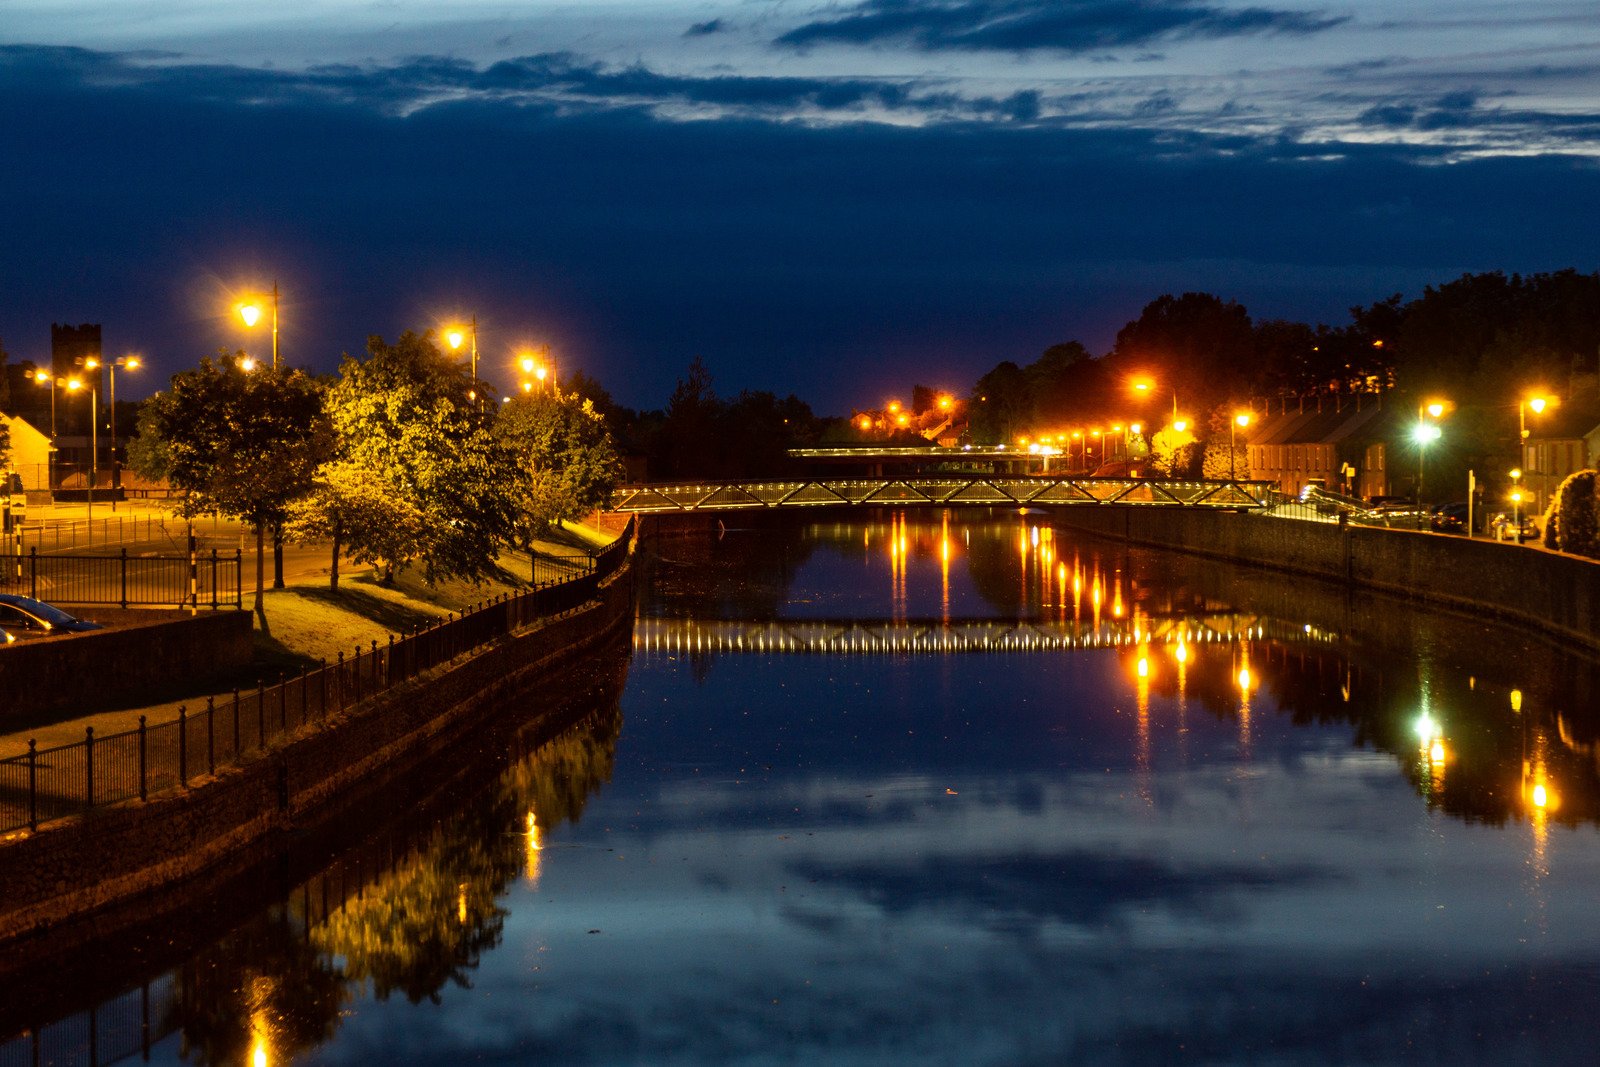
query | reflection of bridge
[940, 491]
[880, 636]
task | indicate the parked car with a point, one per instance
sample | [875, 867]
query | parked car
[1505, 528]
[35, 618]
[5, 637]
[1449, 518]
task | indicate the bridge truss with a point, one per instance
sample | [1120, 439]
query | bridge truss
[940, 491]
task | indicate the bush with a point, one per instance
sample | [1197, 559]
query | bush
[1577, 518]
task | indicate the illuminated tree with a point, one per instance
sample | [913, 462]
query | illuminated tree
[566, 463]
[244, 443]
[362, 514]
[407, 413]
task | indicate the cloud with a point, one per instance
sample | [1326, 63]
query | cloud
[705, 29]
[1044, 25]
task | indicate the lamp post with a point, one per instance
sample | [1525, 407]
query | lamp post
[250, 312]
[1516, 502]
[1241, 420]
[44, 377]
[1425, 434]
[455, 337]
[1535, 404]
[126, 363]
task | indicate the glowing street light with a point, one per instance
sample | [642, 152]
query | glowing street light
[250, 313]
[456, 336]
[71, 385]
[1241, 420]
[129, 362]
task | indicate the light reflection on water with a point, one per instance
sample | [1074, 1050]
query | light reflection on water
[981, 792]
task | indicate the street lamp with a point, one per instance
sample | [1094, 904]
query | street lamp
[1535, 404]
[44, 377]
[1146, 387]
[1241, 420]
[126, 363]
[456, 336]
[540, 369]
[1516, 502]
[1424, 435]
[250, 312]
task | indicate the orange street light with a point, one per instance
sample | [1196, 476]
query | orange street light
[250, 312]
[946, 403]
[1241, 420]
[456, 336]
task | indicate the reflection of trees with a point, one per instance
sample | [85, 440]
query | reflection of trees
[428, 920]
[263, 987]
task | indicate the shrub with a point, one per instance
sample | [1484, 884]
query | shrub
[1577, 519]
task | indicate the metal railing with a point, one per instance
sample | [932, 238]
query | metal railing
[954, 490]
[44, 784]
[208, 579]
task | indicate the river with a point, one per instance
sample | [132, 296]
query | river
[965, 788]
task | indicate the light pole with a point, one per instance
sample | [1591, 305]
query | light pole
[1536, 404]
[1241, 420]
[250, 312]
[1425, 434]
[1516, 502]
[43, 377]
[455, 336]
[126, 363]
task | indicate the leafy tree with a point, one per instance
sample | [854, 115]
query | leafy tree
[566, 463]
[1001, 406]
[408, 414]
[686, 441]
[1197, 345]
[361, 513]
[245, 443]
[148, 454]
[1577, 515]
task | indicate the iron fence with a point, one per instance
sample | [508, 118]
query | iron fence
[44, 784]
[205, 579]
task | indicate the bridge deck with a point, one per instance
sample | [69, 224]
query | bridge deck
[940, 491]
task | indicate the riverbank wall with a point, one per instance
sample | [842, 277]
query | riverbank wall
[1559, 595]
[112, 859]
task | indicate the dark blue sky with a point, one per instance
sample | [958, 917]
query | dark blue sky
[832, 200]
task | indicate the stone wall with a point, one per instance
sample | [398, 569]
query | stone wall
[117, 855]
[1558, 594]
[44, 679]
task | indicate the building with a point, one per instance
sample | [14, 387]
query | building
[1565, 442]
[1342, 447]
[30, 453]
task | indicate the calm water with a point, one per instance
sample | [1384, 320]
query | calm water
[937, 790]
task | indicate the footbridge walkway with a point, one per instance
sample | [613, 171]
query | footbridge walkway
[942, 491]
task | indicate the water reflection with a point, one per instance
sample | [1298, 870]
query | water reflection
[984, 791]
[409, 912]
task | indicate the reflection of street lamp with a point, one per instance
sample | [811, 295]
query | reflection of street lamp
[1240, 420]
[250, 312]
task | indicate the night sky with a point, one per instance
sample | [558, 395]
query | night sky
[833, 199]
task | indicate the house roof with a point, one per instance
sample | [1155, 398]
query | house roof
[1328, 426]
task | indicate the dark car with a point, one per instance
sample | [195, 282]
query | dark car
[35, 618]
[1449, 518]
[1504, 528]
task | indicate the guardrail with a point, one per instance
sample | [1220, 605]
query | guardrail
[208, 579]
[940, 491]
[41, 785]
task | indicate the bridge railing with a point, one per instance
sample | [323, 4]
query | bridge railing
[940, 491]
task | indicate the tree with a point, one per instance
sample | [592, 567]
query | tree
[408, 414]
[245, 443]
[1576, 514]
[362, 514]
[148, 455]
[566, 462]
[1196, 345]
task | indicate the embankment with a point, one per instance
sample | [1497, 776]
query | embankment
[1557, 594]
[111, 859]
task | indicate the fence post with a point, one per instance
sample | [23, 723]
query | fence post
[305, 709]
[33, 784]
[143, 791]
[213, 579]
[375, 665]
[124, 555]
[322, 690]
[88, 767]
[211, 736]
[183, 745]
[339, 680]
[391, 660]
[238, 578]
[33, 569]
[237, 752]
[283, 704]
[355, 673]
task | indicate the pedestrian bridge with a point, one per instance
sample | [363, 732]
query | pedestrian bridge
[956, 636]
[941, 491]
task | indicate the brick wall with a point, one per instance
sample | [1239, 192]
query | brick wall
[45, 679]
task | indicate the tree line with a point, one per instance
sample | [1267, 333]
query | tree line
[400, 459]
